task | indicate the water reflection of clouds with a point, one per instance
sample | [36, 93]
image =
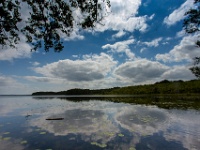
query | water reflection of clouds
[185, 128]
[142, 120]
[5, 145]
[88, 119]
[8, 106]
[76, 121]
[101, 121]
[174, 125]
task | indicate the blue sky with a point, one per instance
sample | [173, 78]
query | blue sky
[140, 42]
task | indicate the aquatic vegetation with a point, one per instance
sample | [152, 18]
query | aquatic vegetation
[121, 135]
[42, 132]
[132, 148]
[99, 144]
[109, 133]
[7, 133]
[38, 129]
[23, 142]
[146, 119]
[6, 138]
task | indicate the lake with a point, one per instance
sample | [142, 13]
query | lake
[95, 123]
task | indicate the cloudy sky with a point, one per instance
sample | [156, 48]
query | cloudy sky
[140, 42]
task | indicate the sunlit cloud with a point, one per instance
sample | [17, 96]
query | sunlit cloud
[179, 13]
[122, 16]
[178, 73]
[153, 43]
[9, 85]
[141, 71]
[22, 50]
[185, 50]
[121, 47]
[88, 69]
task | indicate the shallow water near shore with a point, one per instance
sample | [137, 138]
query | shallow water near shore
[94, 124]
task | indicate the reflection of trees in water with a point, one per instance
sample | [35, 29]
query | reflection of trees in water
[162, 101]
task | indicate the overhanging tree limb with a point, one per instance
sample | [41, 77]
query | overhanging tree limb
[47, 18]
[192, 25]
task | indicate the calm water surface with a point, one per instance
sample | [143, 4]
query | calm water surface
[95, 125]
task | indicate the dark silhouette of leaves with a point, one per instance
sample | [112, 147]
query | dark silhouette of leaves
[47, 20]
[192, 25]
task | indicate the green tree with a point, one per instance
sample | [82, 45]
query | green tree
[47, 18]
[192, 25]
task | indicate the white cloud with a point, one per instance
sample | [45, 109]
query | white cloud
[22, 50]
[119, 34]
[35, 63]
[185, 50]
[44, 79]
[142, 49]
[141, 71]
[123, 17]
[9, 85]
[179, 13]
[91, 68]
[153, 43]
[152, 16]
[74, 35]
[181, 34]
[121, 47]
[75, 56]
[178, 73]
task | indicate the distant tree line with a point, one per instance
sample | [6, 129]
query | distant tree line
[162, 87]
[77, 91]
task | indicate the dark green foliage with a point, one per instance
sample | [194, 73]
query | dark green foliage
[196, 69]
[170, 87]
[168, 101]
[48, 18]
[192, 20]
[10, 16]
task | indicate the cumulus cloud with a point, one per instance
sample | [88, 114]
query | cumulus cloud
[121, 47]
[179, 13]
[35, 63]
[9, 85]
[140, 71]
[178, 73]
[119, 34]
[22, 50]
[44, 79]
[5, 81]
[123, 17]
[153, 43]
[92, 67]
[74, 35]
[185, 50]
